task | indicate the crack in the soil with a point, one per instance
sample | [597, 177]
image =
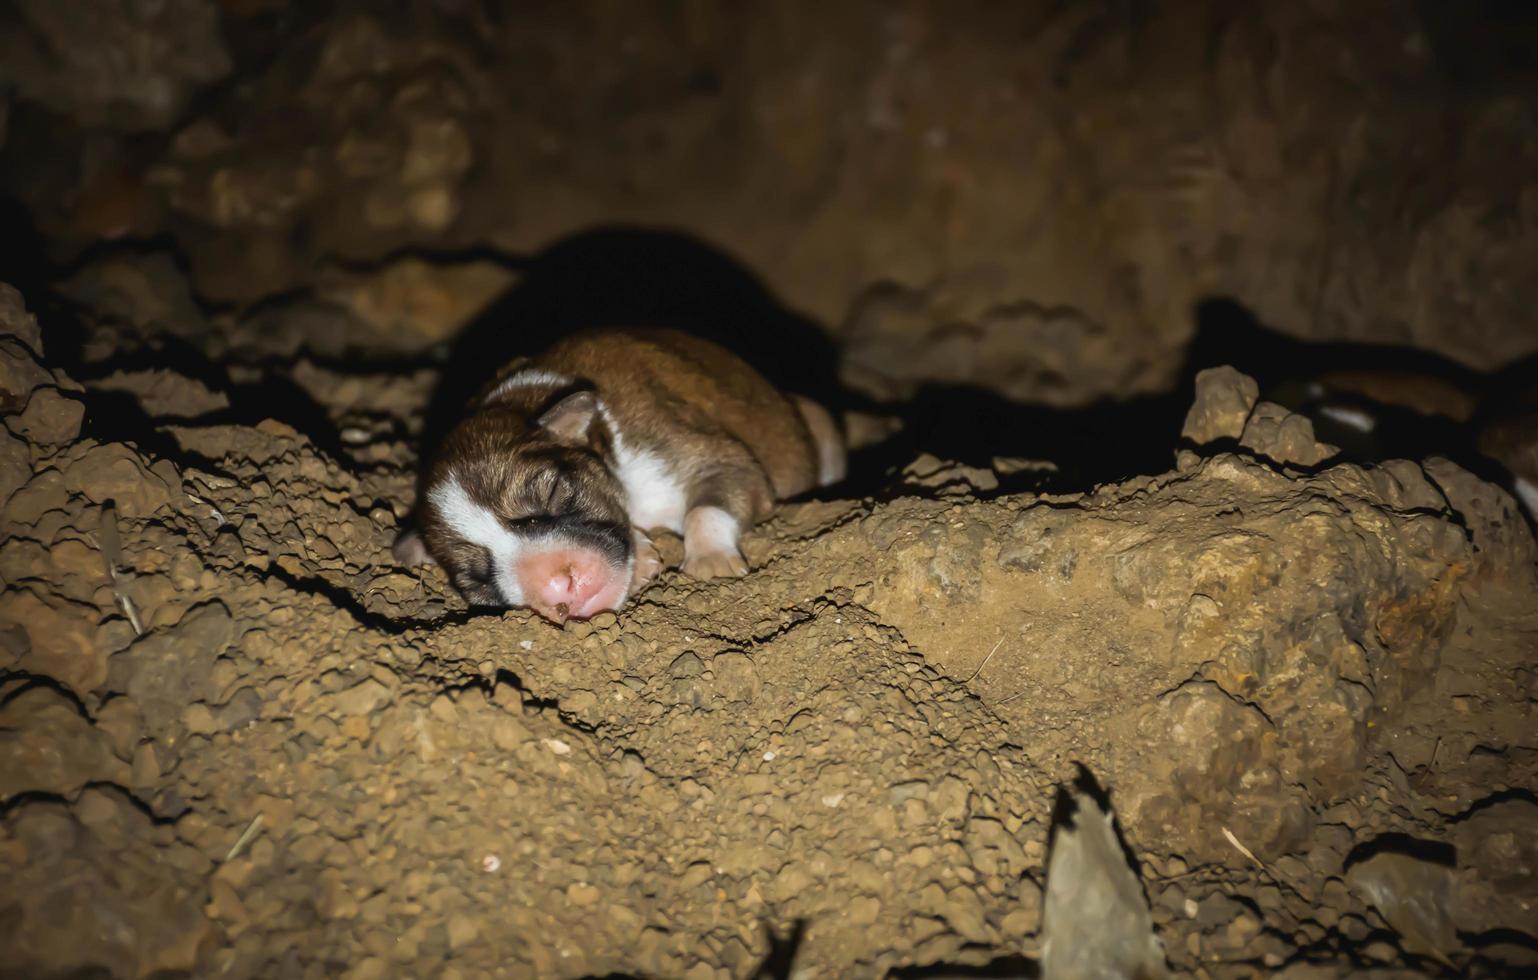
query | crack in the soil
[344, 599]
[42, 796]
[30, 681]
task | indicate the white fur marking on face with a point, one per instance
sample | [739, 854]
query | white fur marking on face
[1353, 417]
[529, 378]
[478, 525]
[711, 530]
[1527, 492]
[654, 496]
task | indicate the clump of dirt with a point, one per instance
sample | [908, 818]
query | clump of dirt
[235, 739]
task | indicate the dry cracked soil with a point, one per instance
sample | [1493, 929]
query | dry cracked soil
[237, 741]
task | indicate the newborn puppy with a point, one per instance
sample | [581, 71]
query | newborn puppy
[543, 494]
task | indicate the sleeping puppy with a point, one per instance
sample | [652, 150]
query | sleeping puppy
[542, 496]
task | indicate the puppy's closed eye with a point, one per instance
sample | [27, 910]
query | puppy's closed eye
[529, 522]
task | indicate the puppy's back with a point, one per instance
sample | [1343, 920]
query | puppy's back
[673, 392]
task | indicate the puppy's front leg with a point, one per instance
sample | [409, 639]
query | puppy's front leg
[723, 506]
[648, 563]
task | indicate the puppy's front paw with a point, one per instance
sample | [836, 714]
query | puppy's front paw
[648, 563]
[716, 564]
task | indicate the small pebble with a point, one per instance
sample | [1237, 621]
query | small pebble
[199, 719]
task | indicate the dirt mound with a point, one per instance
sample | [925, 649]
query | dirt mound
[233, 731]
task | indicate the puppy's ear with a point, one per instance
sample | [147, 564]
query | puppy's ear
[409, 550]
[570, 419]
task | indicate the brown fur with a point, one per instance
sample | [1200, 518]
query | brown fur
[738, 443]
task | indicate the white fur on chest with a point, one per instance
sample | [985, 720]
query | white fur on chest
[654, 495]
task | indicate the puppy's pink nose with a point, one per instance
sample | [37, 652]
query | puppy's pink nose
[569, 584]
[566, 590]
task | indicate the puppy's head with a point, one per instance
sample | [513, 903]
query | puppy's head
[523, 511]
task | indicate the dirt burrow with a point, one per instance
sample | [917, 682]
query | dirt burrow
[971, 194]
[235, 739]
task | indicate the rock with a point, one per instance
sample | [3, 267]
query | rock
[463, 930]
[170, 668]
[61, 639]
[1306, 626]
[198, 719]
[992, 849]
[224, 902]
[1497, 884]
[964, 911]
[143, 290]
[1095, 920]
[51, 418]
[20, 375]
[362, 699]
[165, 393]
[865, 910]
[1223, 402]
[1284, 437]
[1502, 540]
[444, 709]
[123, 724]
[507, 733]
[1414, 896]
[411, 304]
[735, 676]
[16, 322]
[15, 466]
[582, 895]
[116, 64]
[1227, 743]
[43, 493]
[1495, 840]
[686, 665]
[356, 728]
[94, 858]
[146, 770]
[114, 472]
[242, 708]
[899, 338]
[424, 192]
[46, 746]
[933, 473]
[227, 544]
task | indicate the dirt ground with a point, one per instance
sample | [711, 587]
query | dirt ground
[237, 741]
